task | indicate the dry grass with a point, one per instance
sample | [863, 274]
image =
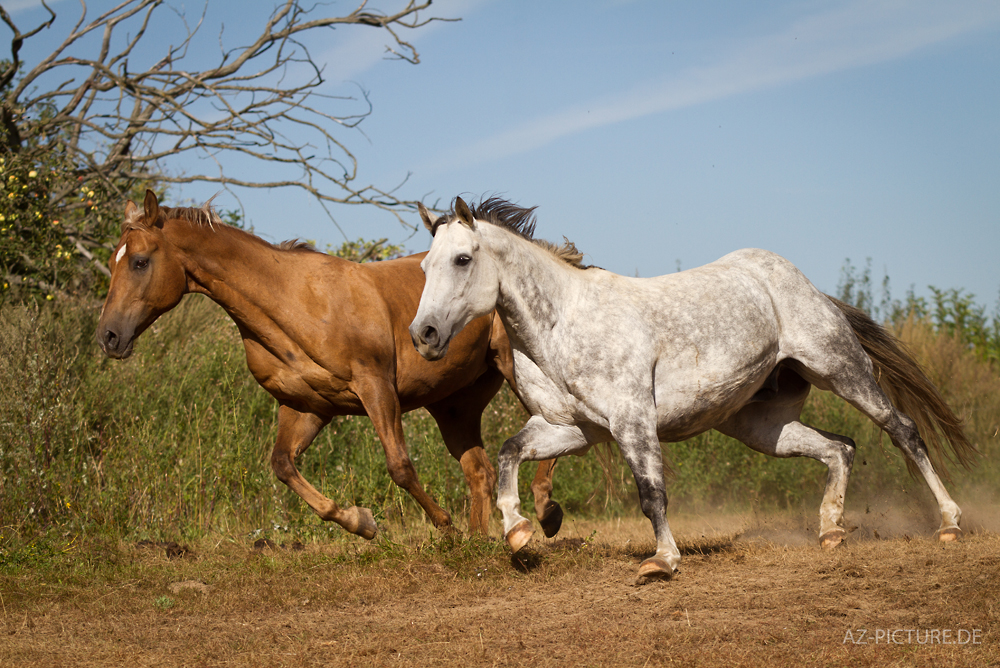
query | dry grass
[746, 595]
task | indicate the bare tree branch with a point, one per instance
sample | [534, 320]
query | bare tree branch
[261, 101]
[129, 99]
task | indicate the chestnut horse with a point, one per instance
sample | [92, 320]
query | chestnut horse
[325, 337]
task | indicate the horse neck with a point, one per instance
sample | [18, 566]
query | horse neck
[534, 286]
[238, 271]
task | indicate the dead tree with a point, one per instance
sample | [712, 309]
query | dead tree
[77, 117]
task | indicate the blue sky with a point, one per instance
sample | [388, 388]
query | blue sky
[656, 134]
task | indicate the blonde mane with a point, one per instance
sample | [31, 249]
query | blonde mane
[203, 216]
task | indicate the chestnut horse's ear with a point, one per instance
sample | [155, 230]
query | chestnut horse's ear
[463, 212]
[152, 209]
[130, 210]
[428, 217]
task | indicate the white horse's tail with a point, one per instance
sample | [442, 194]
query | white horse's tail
[910, 390]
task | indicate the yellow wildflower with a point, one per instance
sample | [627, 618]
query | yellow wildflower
[32, 174]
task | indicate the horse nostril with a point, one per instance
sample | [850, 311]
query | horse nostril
[110, 340]
[429, 335]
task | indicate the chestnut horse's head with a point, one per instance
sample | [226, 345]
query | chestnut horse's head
[147, 279]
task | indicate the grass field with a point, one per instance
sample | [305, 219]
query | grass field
[174, 443]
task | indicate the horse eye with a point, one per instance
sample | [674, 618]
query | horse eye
[463, 260]
[140, 263]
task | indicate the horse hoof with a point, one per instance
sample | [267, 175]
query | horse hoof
[654, 568]
[450, 532]
[551, 519]
[519, 536]
[361, 522]
[832, 539]
[950, 535]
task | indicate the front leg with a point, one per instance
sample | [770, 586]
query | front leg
[296, 432]
[547, 509]
[538, 440]
[640, 447]
[381, 402]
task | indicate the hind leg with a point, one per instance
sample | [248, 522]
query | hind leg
[904, 435]
[775, 430]
[548, 511]
[850, 377]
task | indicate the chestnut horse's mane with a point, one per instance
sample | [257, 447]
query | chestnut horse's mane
[204, 216]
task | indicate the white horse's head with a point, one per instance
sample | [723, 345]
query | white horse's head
[462, 282]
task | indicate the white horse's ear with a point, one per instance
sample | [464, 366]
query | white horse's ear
[463, 212]
[428, 217]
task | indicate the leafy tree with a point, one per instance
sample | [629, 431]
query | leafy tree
[81, 132]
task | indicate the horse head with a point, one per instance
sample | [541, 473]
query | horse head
[461, 281]
[147, 279]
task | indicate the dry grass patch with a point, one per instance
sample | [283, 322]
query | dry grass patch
[450, 601]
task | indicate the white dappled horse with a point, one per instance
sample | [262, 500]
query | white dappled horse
[734, 346]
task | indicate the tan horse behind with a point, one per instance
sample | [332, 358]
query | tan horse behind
[325, 337]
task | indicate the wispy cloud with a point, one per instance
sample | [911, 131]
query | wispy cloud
[362, 49]
[18, 6]
[860, 33]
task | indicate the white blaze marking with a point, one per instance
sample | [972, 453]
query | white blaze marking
[121, 252]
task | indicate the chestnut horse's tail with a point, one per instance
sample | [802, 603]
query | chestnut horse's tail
[909, 390]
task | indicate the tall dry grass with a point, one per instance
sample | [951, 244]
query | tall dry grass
[175, 442]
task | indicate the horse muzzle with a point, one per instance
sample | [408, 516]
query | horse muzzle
[113, 343]
[428, 342]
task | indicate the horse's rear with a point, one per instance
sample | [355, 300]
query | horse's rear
[835, 347]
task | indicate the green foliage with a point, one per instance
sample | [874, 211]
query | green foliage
[57, 218]
[163, 603]
[83, 128]
[953, 312]
[366, 250]
[54, 228]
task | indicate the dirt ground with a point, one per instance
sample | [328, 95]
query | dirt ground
[748, 593]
